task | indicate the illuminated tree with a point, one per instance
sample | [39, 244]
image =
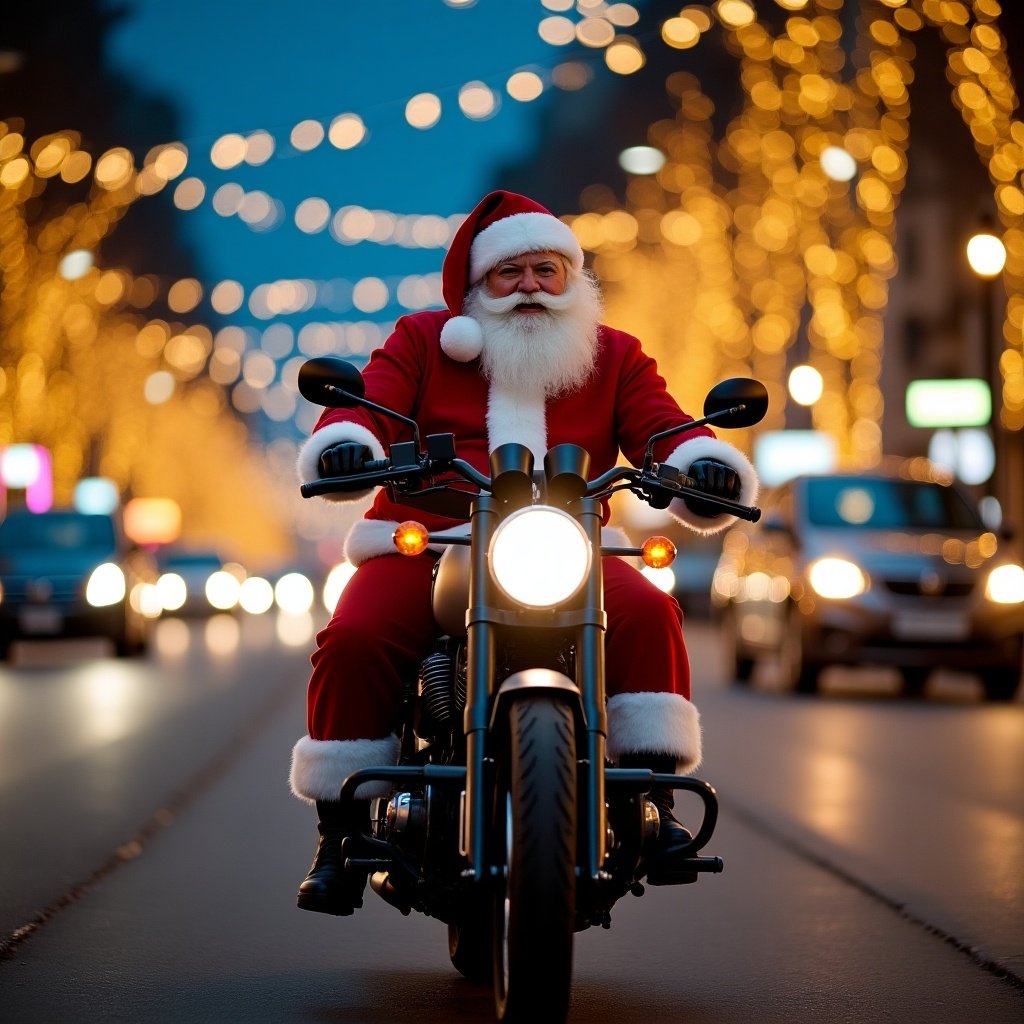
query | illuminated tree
[85, 374]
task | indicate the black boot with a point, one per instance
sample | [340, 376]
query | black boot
[330, 888]
[665, 864]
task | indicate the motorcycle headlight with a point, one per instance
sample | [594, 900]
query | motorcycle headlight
[1005, 584]
[836, 578]
[540, 556]
[106, 585]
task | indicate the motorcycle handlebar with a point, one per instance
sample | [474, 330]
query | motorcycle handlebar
[380, 471]
[749, 513]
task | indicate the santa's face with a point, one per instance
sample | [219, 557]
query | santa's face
[539, 325]
[527, 275]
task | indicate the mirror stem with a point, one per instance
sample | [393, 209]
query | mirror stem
[367, 404]
[692, 425]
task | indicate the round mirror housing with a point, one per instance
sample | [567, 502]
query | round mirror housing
[320, 375]
[747, 396]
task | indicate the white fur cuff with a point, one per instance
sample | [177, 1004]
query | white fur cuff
[308, 462]
[319, 767]
[712, 448]
[654, 723]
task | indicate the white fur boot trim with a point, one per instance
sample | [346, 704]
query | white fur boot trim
[319, 767]
[654, 723]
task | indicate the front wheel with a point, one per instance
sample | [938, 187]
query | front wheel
[535, 901]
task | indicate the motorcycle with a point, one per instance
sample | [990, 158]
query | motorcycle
[505, 820]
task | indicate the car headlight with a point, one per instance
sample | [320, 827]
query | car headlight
[540, 556]
[294, 593]
[1005, 584]
[172, 591]
[836, 578]
[106, 585]
[223, 590]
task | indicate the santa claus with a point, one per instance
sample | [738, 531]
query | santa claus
[519, 355]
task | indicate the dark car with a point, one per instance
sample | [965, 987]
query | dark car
[185, 582]
[66, 573]
[872, 568]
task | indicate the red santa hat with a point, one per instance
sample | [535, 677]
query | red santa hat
[502, 226]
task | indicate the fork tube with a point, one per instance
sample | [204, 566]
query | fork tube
[479, 683]
[591, 681]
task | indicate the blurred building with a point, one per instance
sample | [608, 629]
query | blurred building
[938, 316]
[103, 359]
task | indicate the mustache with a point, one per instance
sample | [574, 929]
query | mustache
[506, 303]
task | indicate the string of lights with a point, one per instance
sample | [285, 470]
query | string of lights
[983, 92]
[798, 248]
[819, 160]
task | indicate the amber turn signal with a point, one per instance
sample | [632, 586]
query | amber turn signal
[658, 552]
[410, 538]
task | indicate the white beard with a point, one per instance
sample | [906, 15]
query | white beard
[548, 353]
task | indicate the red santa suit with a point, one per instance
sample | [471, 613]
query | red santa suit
[429, 370]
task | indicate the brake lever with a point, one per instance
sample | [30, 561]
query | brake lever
[680, 485]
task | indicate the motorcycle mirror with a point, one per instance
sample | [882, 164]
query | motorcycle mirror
[318, 377]
[751, 394]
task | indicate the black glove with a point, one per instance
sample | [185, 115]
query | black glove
[716, 478]
[340, 459]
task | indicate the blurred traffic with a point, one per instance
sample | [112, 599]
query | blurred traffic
[876, 568]
[105, 569]
[68, 573]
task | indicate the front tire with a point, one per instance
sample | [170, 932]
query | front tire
[535, 901]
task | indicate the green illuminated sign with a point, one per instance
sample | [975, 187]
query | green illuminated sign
[948, 403]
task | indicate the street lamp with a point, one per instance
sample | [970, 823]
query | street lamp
[986, 256]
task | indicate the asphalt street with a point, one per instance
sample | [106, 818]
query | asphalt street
[872, 846]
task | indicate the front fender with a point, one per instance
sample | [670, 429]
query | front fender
[533, 682]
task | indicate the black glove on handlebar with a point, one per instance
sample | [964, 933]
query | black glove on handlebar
[716, 478]
[340, 459]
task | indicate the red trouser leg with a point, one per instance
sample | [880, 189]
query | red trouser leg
[645, 650]
[381, 630]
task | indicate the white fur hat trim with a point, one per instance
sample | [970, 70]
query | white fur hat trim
[522, 233]
[462, 339]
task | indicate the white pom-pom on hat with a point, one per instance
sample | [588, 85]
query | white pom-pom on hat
[503, 225]
[462, 339]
